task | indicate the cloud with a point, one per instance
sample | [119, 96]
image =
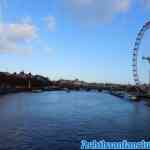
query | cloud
[26, 20]
[50, 22]
[48, 50]
[16, 36]
[146, 3]
[96, 11]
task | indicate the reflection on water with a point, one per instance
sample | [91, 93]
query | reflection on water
[59, 120]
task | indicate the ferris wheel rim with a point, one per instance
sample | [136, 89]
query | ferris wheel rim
[137, 43]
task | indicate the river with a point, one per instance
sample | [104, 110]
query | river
[59, 120]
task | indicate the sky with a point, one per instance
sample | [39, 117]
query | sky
[91, 40]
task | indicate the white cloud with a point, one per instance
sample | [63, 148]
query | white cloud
[97, 10]
[18, 31]
[48, 50]
[122, 5]
[26, 20]
[16, 36]
[146, 3]
[50, 22]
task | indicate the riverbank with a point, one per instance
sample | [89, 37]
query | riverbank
[27, 82]
[120, 94]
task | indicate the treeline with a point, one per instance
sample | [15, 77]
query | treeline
[22, 80]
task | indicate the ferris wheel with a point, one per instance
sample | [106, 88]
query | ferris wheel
[139, 38]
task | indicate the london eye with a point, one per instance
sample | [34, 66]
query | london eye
[136, 49]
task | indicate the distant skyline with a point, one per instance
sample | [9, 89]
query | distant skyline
[87, 39]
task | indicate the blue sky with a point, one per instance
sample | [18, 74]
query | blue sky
[87, 39]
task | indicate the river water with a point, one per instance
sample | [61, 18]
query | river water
[59, 120]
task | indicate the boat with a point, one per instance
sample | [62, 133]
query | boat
[119, 94]
[37, 91]
[68, 90]
[133, 97]
[105, 91]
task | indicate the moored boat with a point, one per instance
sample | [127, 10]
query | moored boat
[37, 91]
[133, 97]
